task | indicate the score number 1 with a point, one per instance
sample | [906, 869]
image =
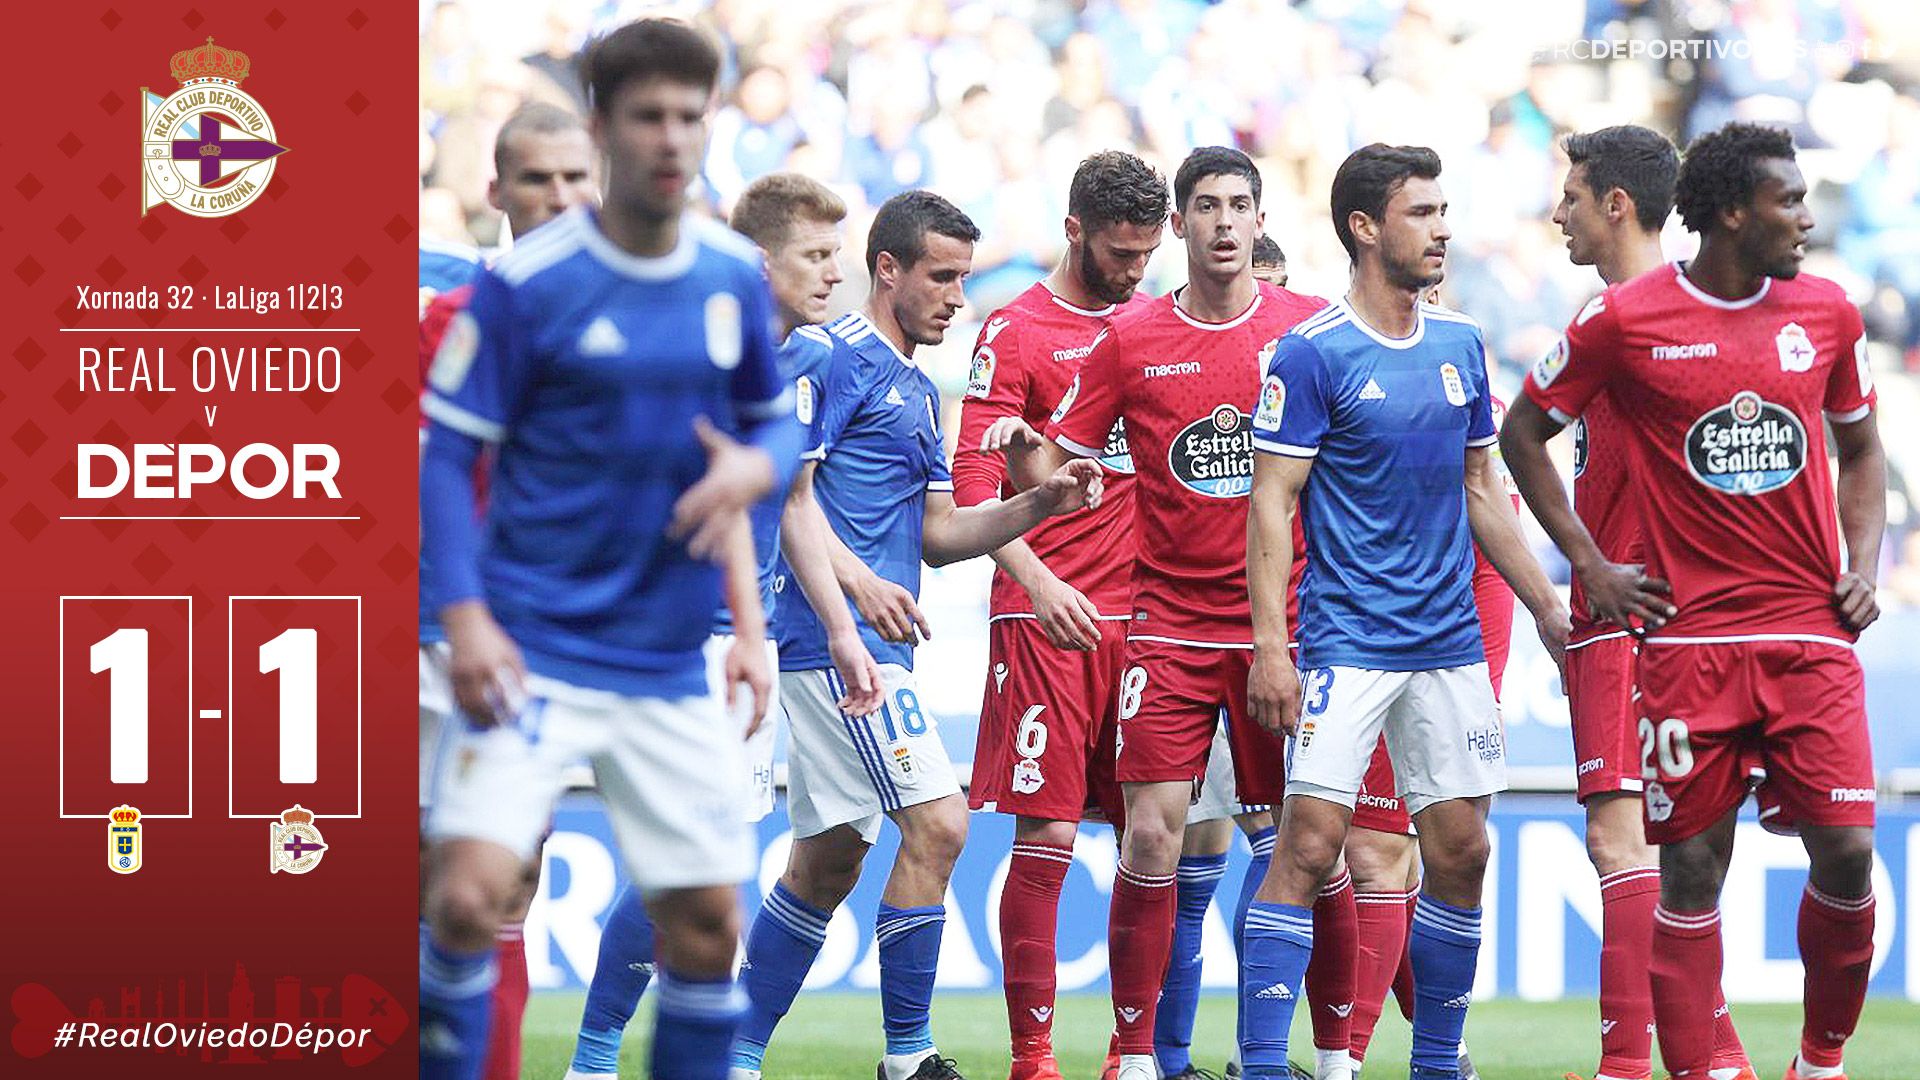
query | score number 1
[294, 654]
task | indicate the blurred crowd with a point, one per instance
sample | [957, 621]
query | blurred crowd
[994, 102]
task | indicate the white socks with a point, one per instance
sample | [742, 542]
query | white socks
[1332, 1065]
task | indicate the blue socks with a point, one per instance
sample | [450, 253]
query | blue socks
[781, 946]
[1444, 948]
[456, 1010]
[909, 954]
[1261, 846]
[694, 1028]
[621, 976]
[1196, 879]
[1278, 944]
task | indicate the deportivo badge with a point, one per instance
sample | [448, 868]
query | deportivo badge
[208, 148]
[296, 846]
[123, 839]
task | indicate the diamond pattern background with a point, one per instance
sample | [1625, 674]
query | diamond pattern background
[338, 79]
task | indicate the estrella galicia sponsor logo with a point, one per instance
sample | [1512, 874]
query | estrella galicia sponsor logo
[1214, 455]
[1749, 446]
[1116, 455]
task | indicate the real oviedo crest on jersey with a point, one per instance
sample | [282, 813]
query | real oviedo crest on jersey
[1214, 454]
[208, 148]
[1749, 446]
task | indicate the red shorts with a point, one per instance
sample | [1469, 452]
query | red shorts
[1378, 806]
[1170, 701]
[1046, 743]
[1709, 712]
[1606, 736]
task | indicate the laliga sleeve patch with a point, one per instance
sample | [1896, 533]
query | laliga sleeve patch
[458, 346]
[1273, 401]
[1548, 368]
[980, 377]
[723, 330]
[803, 400]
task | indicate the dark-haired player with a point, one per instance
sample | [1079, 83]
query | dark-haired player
[566, 622]
[1724, 373]
[1378, 411]
[1269, 262]
[874, 495]
[1062, 594]
[1179, 372]
[1617, 196]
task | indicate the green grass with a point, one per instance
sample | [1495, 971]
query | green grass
[837, 1037]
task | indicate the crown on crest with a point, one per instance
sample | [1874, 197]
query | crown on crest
[209, 61]
[124, 815]
[299, 815]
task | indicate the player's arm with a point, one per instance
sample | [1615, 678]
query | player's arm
[478, 374]
[805, 540]
[1273, 687]
[1861, 486]
[887, 606]
[746, 661]
[1496, 528]
[951, 532]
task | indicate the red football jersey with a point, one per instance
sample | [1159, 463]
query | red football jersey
[1026, 356]
[1602, 497]
[433, 326]
[1185, 389]
[1721, 403]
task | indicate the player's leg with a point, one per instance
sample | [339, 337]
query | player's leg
[673, 779]
[1203, 861]
[1449, 758]
[1342, 709]
[1258, 826]
[1820, 774]
[624, 967]
[510, 989]
[483, 829]
[1381, 862]
[1029, 916]
[1168, 711]
[1686, 958]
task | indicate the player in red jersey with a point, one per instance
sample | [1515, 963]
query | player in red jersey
[1617, 195]
[543, 159]
[1720, 371]
[1180, 372]
[1062, 594]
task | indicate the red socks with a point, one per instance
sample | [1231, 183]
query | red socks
[1381, 927]
[1685, 965]
[1029, 915]
[1332, 972]
[509, 1005]
[1836, 945]
[1627, 900]
[1139, 940]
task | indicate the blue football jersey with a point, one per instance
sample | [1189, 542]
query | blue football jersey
[805, 350]
[874, 428]
[1389, 580]
[445, 267]
[586, 365]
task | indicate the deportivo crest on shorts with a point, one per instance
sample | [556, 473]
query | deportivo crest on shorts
[208, 148]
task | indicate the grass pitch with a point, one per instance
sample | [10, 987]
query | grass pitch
[837, 1037]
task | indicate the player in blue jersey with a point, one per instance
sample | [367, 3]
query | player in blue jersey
[875, 496]
[544, 163]
[795, 221]
[1375, 422]
[610, 361]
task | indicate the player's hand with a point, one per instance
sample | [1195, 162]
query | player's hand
[1273, 693]
[1622, 593]
[858, 673]
[489, 675]
[746, 666]
[737, 476]
[1554, 628]
[890, 609]
[1076, 485]
[1066, 616]
[1854, 598]
[1011, 434]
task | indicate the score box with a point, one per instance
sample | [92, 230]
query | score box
[126, 705]
[294, 705]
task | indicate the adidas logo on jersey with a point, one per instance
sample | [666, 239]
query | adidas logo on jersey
[893, 396]
[1372, 392]
[1460, 1002]
[1276, 992]
[601, 338]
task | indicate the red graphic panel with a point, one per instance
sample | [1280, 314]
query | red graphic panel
[126, 720]
[295, 721]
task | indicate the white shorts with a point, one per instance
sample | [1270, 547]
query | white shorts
[758, 748]
[436, 705]
[845, 770]
[1219, 793]
[669, 771]
[1443, 732]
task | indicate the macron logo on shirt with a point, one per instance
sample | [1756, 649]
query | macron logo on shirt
[601, 338]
